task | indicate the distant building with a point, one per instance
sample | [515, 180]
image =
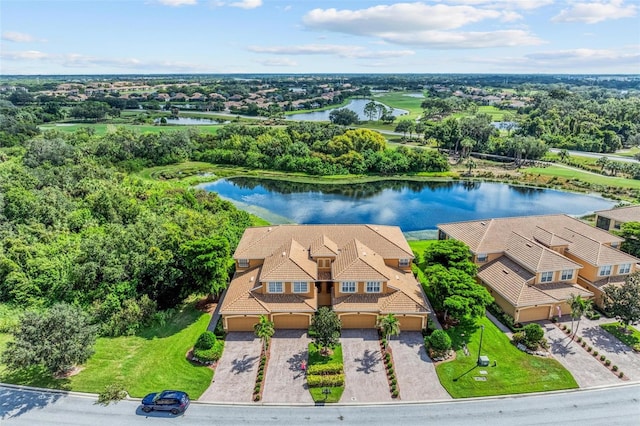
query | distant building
[611, 220]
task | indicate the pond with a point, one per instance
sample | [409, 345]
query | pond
[188, 121]
[356, 105]
[413, 206]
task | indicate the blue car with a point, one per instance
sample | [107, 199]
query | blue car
[168, 400]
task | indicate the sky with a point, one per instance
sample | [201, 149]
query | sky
[312, 36]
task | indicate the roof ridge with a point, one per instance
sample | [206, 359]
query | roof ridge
[366, 260]
[486, 231]
[371, 227]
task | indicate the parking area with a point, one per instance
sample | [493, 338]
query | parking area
[365, 375]
[235, 375]
[417, 378]
[285, 381]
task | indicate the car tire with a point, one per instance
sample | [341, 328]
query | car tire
[175, 411]
[146, 409]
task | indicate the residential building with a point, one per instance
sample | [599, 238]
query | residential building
[612, 220]
[287, 272]
[531, 265]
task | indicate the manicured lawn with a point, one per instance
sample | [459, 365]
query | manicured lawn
[400, 100]
[153, 360]
[102, 128]
[630, 338]
[585, 177]
[516, 372]
[419, 246]
[334, 358]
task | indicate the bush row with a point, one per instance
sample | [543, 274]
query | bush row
[325, 369]
[327, 380]
[209, 355]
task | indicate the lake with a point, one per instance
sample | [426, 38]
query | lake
[413, 206]
[356, 105]
[188, 121]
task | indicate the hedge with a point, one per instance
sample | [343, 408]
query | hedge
[317, 381]
[325, 369]
[209, 355]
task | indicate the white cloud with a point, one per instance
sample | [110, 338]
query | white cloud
[509, 4]
[278, 62]
[594, 12]
[463, 40]
[18, 37]
[343, 51]
[247, 4]
[25, 54]
[177, 3]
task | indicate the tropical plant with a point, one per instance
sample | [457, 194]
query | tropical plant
[325, 327]
[624, 301]
[439, 342]
[389, 325]
[264, 329]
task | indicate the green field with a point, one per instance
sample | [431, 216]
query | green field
[151, 361]
[515, 371]
[594, 179]
[400, 100]
[103, 128]
[419, 246]
[630, 338]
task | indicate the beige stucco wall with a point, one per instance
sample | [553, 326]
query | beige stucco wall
[412, 323]
[361, 320]
[291, 321]
[490, 257]
[361, 287]
[287, 287]
[501, 301]
[239, 323]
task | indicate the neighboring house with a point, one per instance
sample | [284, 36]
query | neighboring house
[531, 265]
[286, 272]
[612, 220]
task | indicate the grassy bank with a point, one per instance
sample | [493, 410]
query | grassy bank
[103, 128]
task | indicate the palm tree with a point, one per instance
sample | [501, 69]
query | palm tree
[578, 307]
[471, 165]
[389, 325]
[264, 329]
[564, 155]
[602, 162]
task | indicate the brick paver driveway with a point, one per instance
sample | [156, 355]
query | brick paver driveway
[583, 367]
[235, 375]
[365, 375]
[417, 378]
[284, 381]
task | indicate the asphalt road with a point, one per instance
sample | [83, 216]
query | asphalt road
[618, 405]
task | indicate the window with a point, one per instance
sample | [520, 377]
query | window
[614, 244]
[404, 262]
[275, 287]
[616, 225]
[482, 257]
[605, 270]
[546, 277]
[348, 287]
[243, 263]
[324, 263]
[567, 274]
[373, 286]
[624, 268]
[300, 287]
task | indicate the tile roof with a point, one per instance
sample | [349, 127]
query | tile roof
[514, 283]
[622, 214]
[258, 242]
[616, 280]
[535, 257]
[594, 252]
[323, 247]
[548, 238]
[290, 261]
[358, 262]
[491, 235]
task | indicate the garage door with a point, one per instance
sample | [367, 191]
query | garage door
[291, 321]
[358, 321]
[534, 314]
[241, 323]
[410, 323]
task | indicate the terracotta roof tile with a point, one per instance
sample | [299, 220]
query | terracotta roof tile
[594, 252]
[536, 257]
[356, 261]
[289, 262]
[323, 247]
[622, 214]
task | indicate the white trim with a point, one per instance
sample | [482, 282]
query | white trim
[567, 274]
[342, 286]
[604, 270]
[275, 284]
[377, 284]
[544, 275]
[306, 286]
[626, 270]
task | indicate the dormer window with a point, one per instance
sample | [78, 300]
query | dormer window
[348, 287]
[546, 277]
[482, 257]
[624, 268]
[373, 286]
[275, 287]
[243, 263]
[404, 262]
[300, 287]
[604, 271]
[567, 274]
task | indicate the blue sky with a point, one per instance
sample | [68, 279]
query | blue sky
[309, 36]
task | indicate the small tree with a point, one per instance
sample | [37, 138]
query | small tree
[579, 307]
[57, 339]
[439, 342]
[389, 325]
[113, 392]
[533, 335]
[326, 327]
[624, 301]
[264, 329]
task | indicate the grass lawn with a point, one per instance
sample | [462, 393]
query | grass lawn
[515, 373]
[151, 361]
[102, 128]
[419, 246]
[334, 358]
[630, 338]
[583, 176]
[400, 100]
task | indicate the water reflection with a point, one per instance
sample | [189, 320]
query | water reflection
[408, 204]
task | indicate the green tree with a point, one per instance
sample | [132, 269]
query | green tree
[603, 162]
[207, 261]
[450, 254]
[623, 301]
[389, 325]
[405, 126]
[533, 335]
[264, 329]
[630, 231]
[325, 327]
[343, 117]
[579, 307]
[471, 164]
[439, 342]
[371, 110]
[563, 155]
[57, 339]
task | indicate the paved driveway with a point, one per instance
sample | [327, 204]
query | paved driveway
[365, 375]
[284, 381]
[235, 375]
[581, 364]
[417, 378]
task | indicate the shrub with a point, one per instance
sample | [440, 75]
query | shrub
[390, 371]
[564, 327]
[256, 389]
[324, 369]
[393, 388]
[595, 353]
[579, 339]
[533, 334]
[112, 393]
[607, 362]
[621, 375]
[636, 347]
[256, 397]
[584, 344]
[260, 376]
[518, 337]
[394, 382]
[602, 357]
[439, 341]
[328, 380]
[589, 348]
[209, 355]
[395, 393]
[219, 330]
[206, 340]
[614, 368]
[568, 330]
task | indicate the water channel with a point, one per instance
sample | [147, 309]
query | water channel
[416, 207]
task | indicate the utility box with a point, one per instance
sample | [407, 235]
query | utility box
[483, 361]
